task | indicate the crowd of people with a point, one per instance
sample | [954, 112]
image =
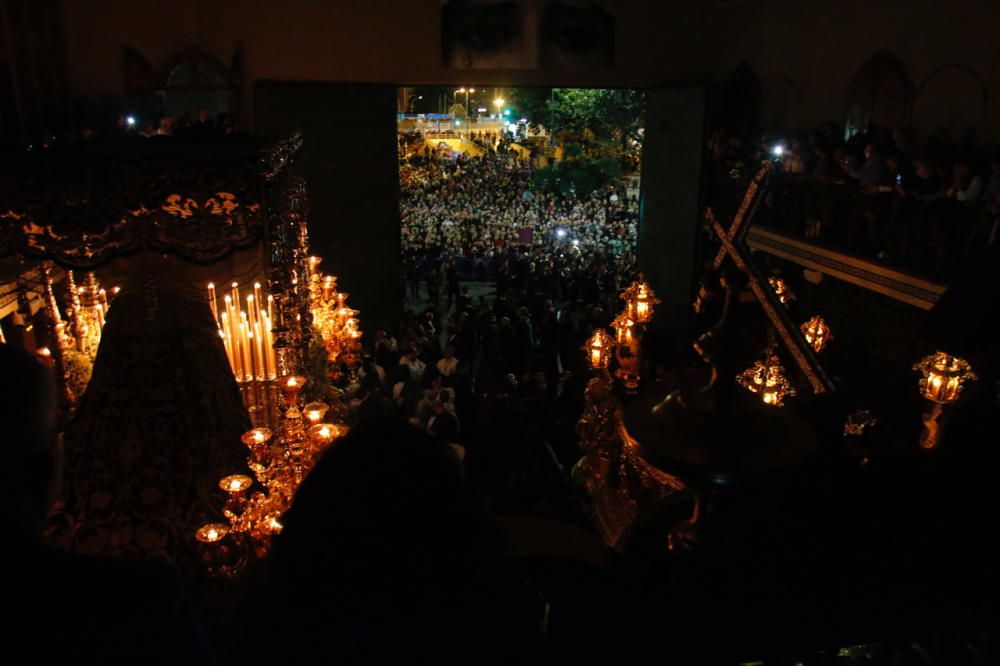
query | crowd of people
[556, 266]
[920, 205]
[477, 211]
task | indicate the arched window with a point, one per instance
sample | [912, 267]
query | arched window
[193, 80]
[879, 95]
[951, 103]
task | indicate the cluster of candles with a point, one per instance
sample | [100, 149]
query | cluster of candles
[246, 334]
[89, 308]
[279, 461]
[626, 344]
[80, 332]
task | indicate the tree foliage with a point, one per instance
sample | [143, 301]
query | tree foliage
[576, 177]
[585, 115]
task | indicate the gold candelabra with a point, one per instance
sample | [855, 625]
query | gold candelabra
[287, 438]
[75, 335]
[279, 461]
[336, 323]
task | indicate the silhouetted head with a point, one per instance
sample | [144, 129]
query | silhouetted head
[383, 512]
[31, 458]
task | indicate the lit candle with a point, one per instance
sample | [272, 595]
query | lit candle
[258, 350]
[291, 385]
[235, 483]
[211, 301]
[315, 411]
[251, 309]
[272, 369]
[212, 532]
[245, 347]
[256, 437]
[227, 340]
[324, 433]
[214, 553]
[46, 355]
[257, 295]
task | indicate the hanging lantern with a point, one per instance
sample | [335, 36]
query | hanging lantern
[781, 290]
[943, 377]
[639, 301]
[624, 325]
[816, 333]
[598, 348]
[767, 379]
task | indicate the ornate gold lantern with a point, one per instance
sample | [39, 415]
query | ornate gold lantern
[767, 379]
[781, 290]
[943, 377]
[598, 347]
[816, 333]
[639, 301]
[624, 330]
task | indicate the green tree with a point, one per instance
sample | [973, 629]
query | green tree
[611, 115]
[590, 116]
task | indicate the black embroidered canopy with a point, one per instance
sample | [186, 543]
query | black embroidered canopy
[81, 206]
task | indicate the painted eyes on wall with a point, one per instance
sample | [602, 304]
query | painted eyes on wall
[577, 29]
[487, 28]
[523, 34]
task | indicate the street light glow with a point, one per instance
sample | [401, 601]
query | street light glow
[499, 101]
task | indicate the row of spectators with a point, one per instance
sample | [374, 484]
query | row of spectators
[919, 205]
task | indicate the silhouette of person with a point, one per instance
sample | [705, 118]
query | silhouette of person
[69, 607]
